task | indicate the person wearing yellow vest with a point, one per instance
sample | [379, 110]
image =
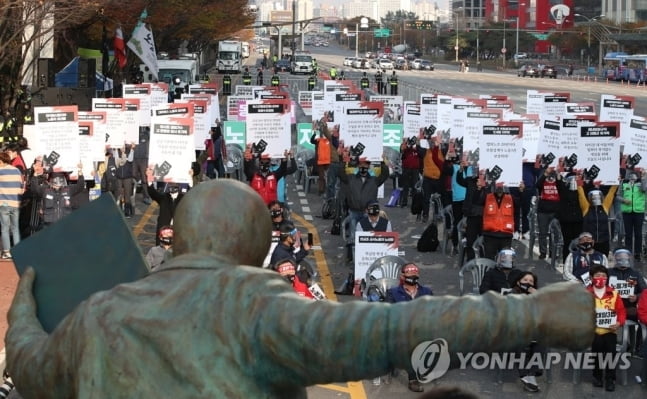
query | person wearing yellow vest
[323, 150]
[610, 315]
[632, 204]
[498, 220]
[432, 167]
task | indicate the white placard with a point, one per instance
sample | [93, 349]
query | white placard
[531, 134]
[412, 119]
[501, 146]
[171, 150]
[553, 105]
[269, 120]
[549, 141]
[113, 107]
[570, 136]
[393, 111]
[143, 93]
[605, 318]
[131, 116]
[92, 133]
[625, 288]
[371, 245]
[468, 144]
[58, 136]
[428, 109]
[159, 94]
[599, 149]
[362, 122]
[636, 141]
[201, 116]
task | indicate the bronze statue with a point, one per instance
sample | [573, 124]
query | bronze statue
[203, 326]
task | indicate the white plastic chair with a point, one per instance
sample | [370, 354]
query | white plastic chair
[383, 274]
[478, 267]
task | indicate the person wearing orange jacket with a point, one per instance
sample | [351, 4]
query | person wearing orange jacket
[323, 147]
[610, 315]
[498, 220]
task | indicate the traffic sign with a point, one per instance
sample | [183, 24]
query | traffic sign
[504, 50]
[419, 25]
[381, 33]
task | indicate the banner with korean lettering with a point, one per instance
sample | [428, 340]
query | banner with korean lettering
[304, 133]
[635, 143]
[466, 146]
[318, 105]
[412, 119]
[143, 93]
[531, 134]
[584, 108]
[305, 101]
[159, 93]
[363, 122]
[444, 112]
[131, 116]
[393, 112]
[372, 245]
[235, 133]
[617, 109]
[341, 99]
[599, 152]
[214, 106]
[92, 133]
[113, 107]
[236, 107]
[549, 143]
[570, 140]
[331, 89]
[501, 153]
[58, 136]
[429, 109]
[553, 105]
[171, 150]
[460, 107]
[269, 120]
[201, 129]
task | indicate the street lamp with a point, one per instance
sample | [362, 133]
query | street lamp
[456, 20]
[589, 20]
[516, 48]
[363, 23]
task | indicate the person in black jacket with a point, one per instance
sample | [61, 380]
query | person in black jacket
[472, 208]
[56, 195]
[569, 213]
[167, 202]
[501, 278]
[124, 158]
[286, 247]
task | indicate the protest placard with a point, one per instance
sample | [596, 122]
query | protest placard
[58, 136]
[172, 149]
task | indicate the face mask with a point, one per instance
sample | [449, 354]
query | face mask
[413, 280]
[524, 287]
[166, 240]
[173, 189]
[363, 171]
[599, 282]
[175, 195]
[276, 213]
[374, 210]
[265, 168]
[585, 246]
[290, 278]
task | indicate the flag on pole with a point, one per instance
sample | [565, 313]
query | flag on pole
[120, 48]
[142, 44]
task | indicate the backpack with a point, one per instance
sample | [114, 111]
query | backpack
[417, 202]
[428, 241]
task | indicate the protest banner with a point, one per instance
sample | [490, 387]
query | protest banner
[201, 128]
[58, 136]
[429, 109]
[362, 122]
[412, 120]
[501, 153]
[372, 245]
[113, 108]
[172, 149]
[599, 152]
[269, 121]
[131, 116]
[635, 143]
[392, 108]
[92, 138]
[142, 92]
[549, 143]
[212, 90]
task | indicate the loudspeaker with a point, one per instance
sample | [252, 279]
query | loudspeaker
[87, 72]
[82, 97]
[45, 72]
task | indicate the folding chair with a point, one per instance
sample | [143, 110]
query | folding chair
[387, 268]
[478, 267]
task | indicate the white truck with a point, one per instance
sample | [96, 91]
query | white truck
[186, 70]
[245, 50]
[301, 63]
[230, 57]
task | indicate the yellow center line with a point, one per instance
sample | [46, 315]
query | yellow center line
[355, 389]
[144, 219]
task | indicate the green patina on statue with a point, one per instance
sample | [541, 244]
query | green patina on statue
[204, 326]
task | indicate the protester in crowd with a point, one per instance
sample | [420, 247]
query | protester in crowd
[124, 160]
[290, 245]
[372, 220]
[529, 176]
[432, 167]
[610, 316]
[548, 204]
[13, 150]
[31, 207]
[642, 317]
[595, 208]
[324, 148]
[262, 180]
[108, 173]
[632, 205]
[410, 168]
[287, 268]
[630, 279]
[56, 195]
[578, 263]
[569, 213]
[335, 161]
[162, 252]
[278, 215]
[359, 189]
[167, 202]
[11, 189]
[454, 168]
[140, 161]
[475, 195]
[204, 295]
[501, 278]
[526, 283]
[408, 290]
[498, 220]
[216, 152]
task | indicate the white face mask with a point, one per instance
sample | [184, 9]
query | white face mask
[174, 195]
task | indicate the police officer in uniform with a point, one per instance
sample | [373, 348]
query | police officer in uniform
[333, 73]
[275, 80]
[393, 82]
[379, 81]
[226, 85]
[363, 82]
[247, 78]
[312, 82]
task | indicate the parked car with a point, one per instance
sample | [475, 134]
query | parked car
[360, 63]
[401, 63]
[348, 61]
[549, 71]
[426, 65]
[283, 65]
[385, 63]
[528, 71]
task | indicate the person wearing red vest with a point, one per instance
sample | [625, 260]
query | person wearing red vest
[610, 316]
[261, 179]
[410, 168]
[498, 221]
[548, 186]
[323, 150]
[287, 269]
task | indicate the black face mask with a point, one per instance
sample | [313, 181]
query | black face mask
[524, 287]
[373, 210]
[363, 171]
[413, 280]
[276, 213]
[585, 246]
[173, 189]
[166, 241]
[290, 278]
[265, 168]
